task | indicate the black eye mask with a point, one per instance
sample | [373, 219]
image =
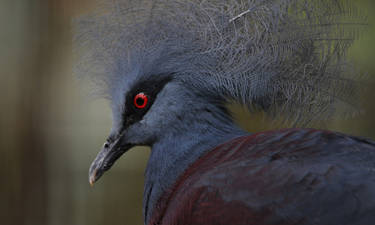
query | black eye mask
[141, 97]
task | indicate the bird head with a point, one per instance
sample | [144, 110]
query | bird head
[153, 102]
[138, 116]
[162, 63]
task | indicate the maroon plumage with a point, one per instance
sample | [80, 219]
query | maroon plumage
[292, 176]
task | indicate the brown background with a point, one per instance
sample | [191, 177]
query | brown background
[50, 131]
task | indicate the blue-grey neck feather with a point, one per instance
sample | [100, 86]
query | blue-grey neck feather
[172, 154]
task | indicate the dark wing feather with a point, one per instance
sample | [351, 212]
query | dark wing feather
[279, 177]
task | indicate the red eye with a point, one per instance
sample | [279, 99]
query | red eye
[140, 100]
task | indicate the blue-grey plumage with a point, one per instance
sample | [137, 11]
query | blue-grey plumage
[285, 56]
[189, 58]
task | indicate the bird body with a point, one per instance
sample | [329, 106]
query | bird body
[169, 68]
[291, 176]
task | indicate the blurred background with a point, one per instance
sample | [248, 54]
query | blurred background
[50, 131]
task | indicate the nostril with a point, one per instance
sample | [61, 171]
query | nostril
[106, 145]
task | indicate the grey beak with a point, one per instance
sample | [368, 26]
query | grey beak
[106, 158]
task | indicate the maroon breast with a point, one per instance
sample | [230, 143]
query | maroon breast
[276, 177]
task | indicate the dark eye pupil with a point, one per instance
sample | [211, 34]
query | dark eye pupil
[140, 101]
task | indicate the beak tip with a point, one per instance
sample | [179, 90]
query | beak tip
[92, 178]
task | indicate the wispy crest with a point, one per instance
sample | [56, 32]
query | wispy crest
[286, 57]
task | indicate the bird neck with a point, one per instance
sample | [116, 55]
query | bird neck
[177, 150]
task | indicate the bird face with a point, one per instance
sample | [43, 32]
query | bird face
[140, 114]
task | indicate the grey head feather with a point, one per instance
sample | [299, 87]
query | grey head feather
[286, 57]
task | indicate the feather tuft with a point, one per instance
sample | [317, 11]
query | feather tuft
[286, 57]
